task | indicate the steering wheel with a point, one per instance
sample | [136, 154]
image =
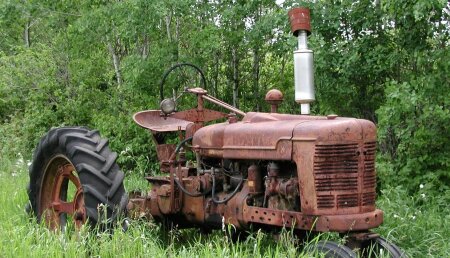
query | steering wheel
[179, 78]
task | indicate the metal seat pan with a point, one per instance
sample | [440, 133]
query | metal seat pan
[157, 123]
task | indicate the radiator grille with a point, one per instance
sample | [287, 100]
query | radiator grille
[370, 148]
[337, 173]
[370, 179]
[336, 184]
[325, 201]
[347, 200]
[336, 167]
[368, 198]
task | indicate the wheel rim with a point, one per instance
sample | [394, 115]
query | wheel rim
[61, 196]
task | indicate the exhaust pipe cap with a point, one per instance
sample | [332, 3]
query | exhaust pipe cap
[300, 20]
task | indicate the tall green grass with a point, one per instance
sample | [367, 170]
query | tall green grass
[420, 224]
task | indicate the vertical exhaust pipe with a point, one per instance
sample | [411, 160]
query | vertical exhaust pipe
[303, 59]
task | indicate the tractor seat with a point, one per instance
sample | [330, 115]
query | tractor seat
[157, 123]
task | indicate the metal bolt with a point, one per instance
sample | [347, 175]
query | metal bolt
[79, 215]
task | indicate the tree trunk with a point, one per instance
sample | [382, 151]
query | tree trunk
[145, 47]
[26, 33]
[283, 66]
[256, 63]
[235, 64]
[256, 78]
[116, 62]
[177, 38]
[168, 22]
[177, 28]
[216, 74]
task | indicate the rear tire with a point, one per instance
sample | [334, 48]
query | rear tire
[77, 159]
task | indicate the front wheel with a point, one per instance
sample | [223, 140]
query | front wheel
[74, 179]
[330, 249]
[380, 247]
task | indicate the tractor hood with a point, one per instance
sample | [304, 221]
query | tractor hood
[270, 135]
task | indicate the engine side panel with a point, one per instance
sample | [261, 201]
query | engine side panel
[257, 136]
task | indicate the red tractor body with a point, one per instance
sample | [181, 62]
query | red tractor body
[305, 172]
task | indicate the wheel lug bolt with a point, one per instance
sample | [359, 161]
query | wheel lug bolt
[78, 215]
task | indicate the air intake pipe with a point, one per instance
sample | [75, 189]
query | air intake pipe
[303, 59]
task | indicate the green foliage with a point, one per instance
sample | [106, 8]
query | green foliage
[414, 127]
[354, 55]
[22, 74]
[95, 63]
[414, 119]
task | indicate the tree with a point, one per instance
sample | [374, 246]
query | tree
[413, 120]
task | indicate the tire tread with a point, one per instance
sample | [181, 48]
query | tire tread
[100, 177]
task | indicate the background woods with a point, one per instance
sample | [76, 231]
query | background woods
[95, 63]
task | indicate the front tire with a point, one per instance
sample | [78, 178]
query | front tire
[380, 247]
[330, 249]
[74, 178]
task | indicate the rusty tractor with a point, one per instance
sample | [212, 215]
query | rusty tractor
[255, 170]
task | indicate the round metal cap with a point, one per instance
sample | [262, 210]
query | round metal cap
[274, 96]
